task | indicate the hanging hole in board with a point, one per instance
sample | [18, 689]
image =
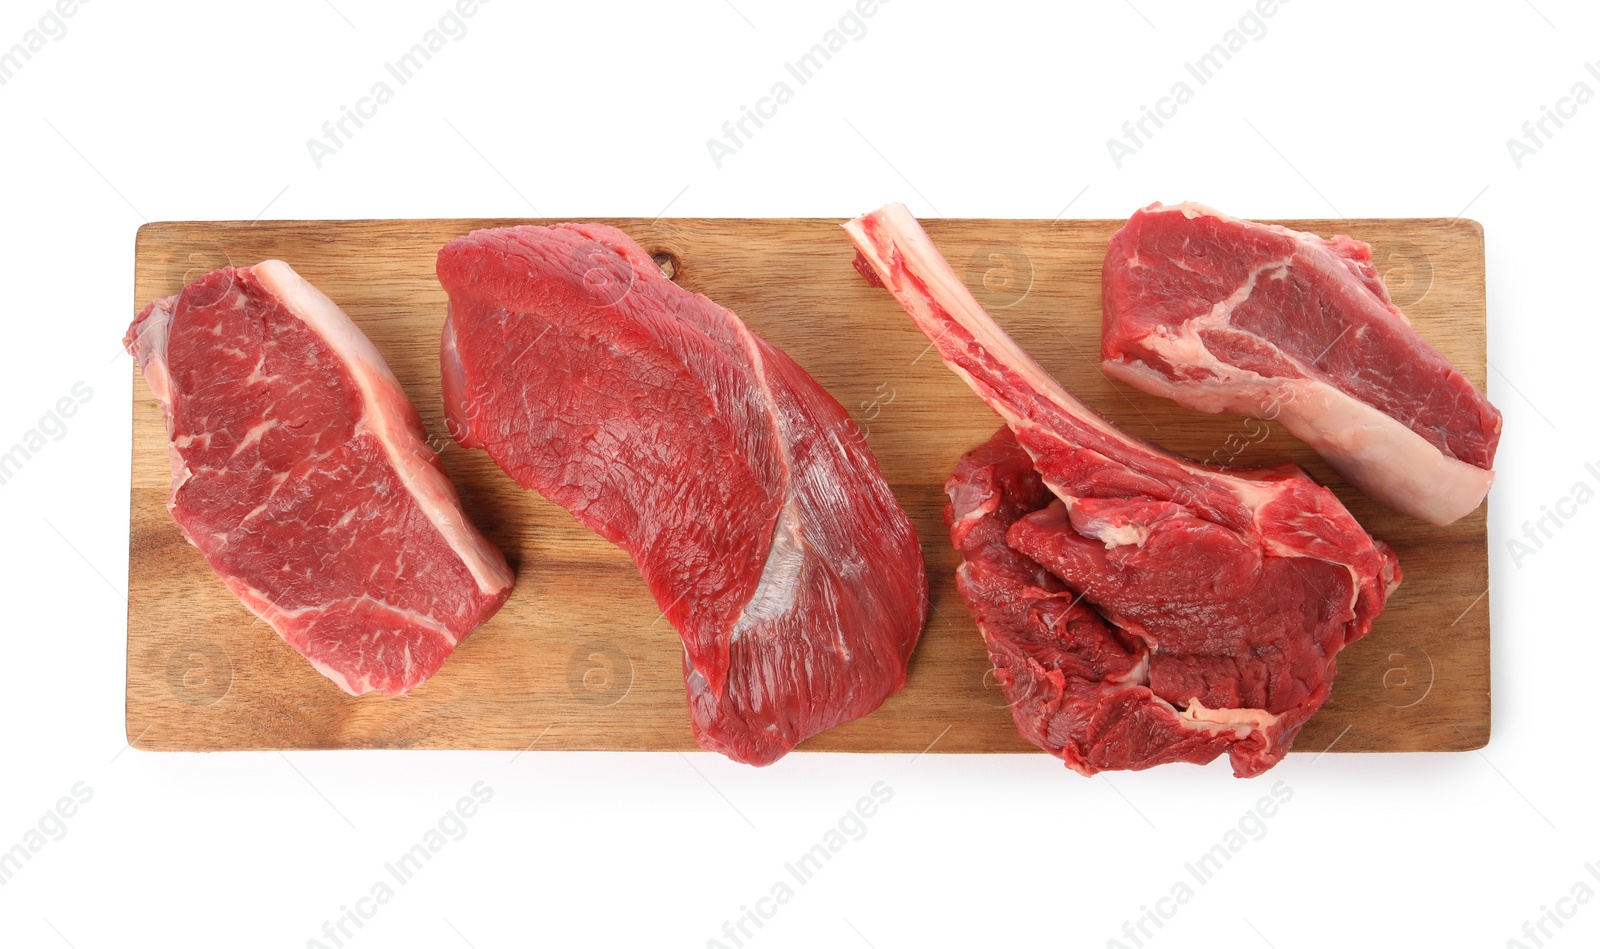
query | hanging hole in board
[668, 264]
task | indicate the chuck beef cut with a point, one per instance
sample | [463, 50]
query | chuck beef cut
[1224, 315]
[1139, 609]
[743, 492]
[300, 472]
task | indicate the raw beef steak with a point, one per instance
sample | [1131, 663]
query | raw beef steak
[742, 490]
[1139, 609]
[1224, 315]
[299, 470]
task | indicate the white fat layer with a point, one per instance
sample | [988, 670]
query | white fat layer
[902, 233]
[900, 236]
[279, 619]
[150, 348]
[780, 577]
[1123, 536]
[1192, 210]
[1377, 454]
[1241, 721]
[393, 419]
[1139, 674]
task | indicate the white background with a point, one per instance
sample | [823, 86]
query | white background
[202, 110]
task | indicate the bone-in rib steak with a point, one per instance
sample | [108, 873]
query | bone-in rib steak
[1224, 315]
[1139, 609]
[746, 497]
[300, 472]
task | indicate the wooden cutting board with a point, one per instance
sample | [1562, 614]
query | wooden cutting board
[579, 657]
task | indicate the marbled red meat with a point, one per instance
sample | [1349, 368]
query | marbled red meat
[300, 471]
[1224, 315]
[1139, 609]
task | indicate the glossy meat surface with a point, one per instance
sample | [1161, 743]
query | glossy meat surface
[300, 471]
[1139, 609]
[743, 492]
[1224, 315]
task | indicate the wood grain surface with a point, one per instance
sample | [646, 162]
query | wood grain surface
[579, 657]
